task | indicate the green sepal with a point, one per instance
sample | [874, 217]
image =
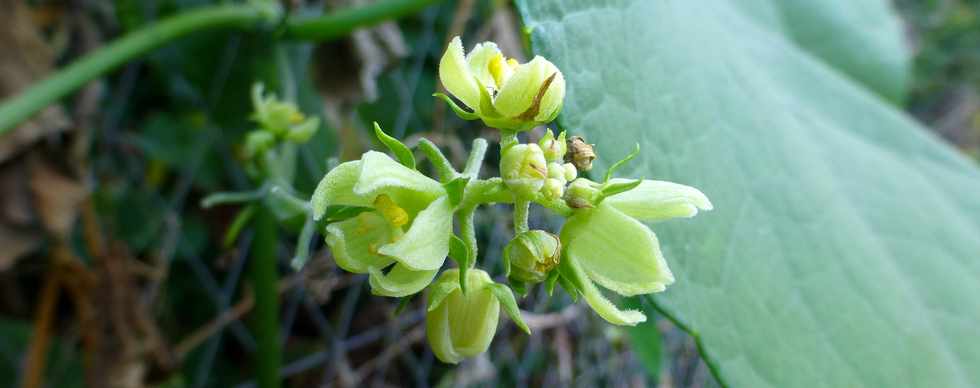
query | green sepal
[460, 253]
[610, 189]
[550, 281]
[518, 286]
[401, 151]
[460, 111]
[612, 169]
[403, 303]
[506, 298]
[455, 189]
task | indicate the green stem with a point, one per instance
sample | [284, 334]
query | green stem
[522, 208]
[466, 228]
[265, 278]
[439, 161]
[19, 108]
[479, 192]
[93, 65]
[343, 22]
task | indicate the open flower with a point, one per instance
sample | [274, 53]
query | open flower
[460, 325]
[498, 90]
[607, 244]
[403, 238]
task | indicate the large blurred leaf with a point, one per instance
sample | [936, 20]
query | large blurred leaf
[845, 245]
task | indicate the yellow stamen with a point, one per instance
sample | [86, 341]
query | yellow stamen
[496, 67]
[512, 62]
[395, 215]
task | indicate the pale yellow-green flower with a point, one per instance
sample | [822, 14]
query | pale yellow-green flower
[504, 94]
[606, 244]
[403, 239]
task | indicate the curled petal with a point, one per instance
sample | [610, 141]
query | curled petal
[399, 281]
[337, 188]
[409, 188]
[572, 271]
[457, 77]
[616, 251]
[659, 200]
[518, 93]
[355, 242]
[426, 243]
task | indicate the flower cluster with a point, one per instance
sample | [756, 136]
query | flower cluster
[387, 219]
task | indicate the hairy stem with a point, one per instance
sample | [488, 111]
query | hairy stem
[522, 208]
[439, 161]
[475, 161]
[468, 231]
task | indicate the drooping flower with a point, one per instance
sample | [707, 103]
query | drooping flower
[606, 244]
[460, 325]
[531, 255]
[498, 90]
[402, 239]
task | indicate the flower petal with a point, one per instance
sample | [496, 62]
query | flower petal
[616, 251]
[571, 270]
[426, 243]
[518, 93]
[659, 200]
[554, 97]
[479, 60]
[474, 315]
[354, 242]
[457, 77]
[399, 281]
[337, 188]
[380, 174]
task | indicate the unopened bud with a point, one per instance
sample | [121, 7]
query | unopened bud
[582, 193]
[580, 153]
[553, 188]
[570, 172]
[524, 169]
[554, 149]
[532, 255]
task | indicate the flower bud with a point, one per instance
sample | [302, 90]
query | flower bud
[554, 149]
[553, 188]
[257, 142]
[580, 153]
[570, 172]
[556, 171]
[582, 193]
[531, 255]
[461, 325]
[524, 169]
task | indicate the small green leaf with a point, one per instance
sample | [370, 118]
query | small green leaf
[622, 162]
[401, 151]
[509, 303]
[455, 189]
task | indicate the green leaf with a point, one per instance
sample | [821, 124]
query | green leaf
[509, 303]
[401, 151]
[842, 248]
